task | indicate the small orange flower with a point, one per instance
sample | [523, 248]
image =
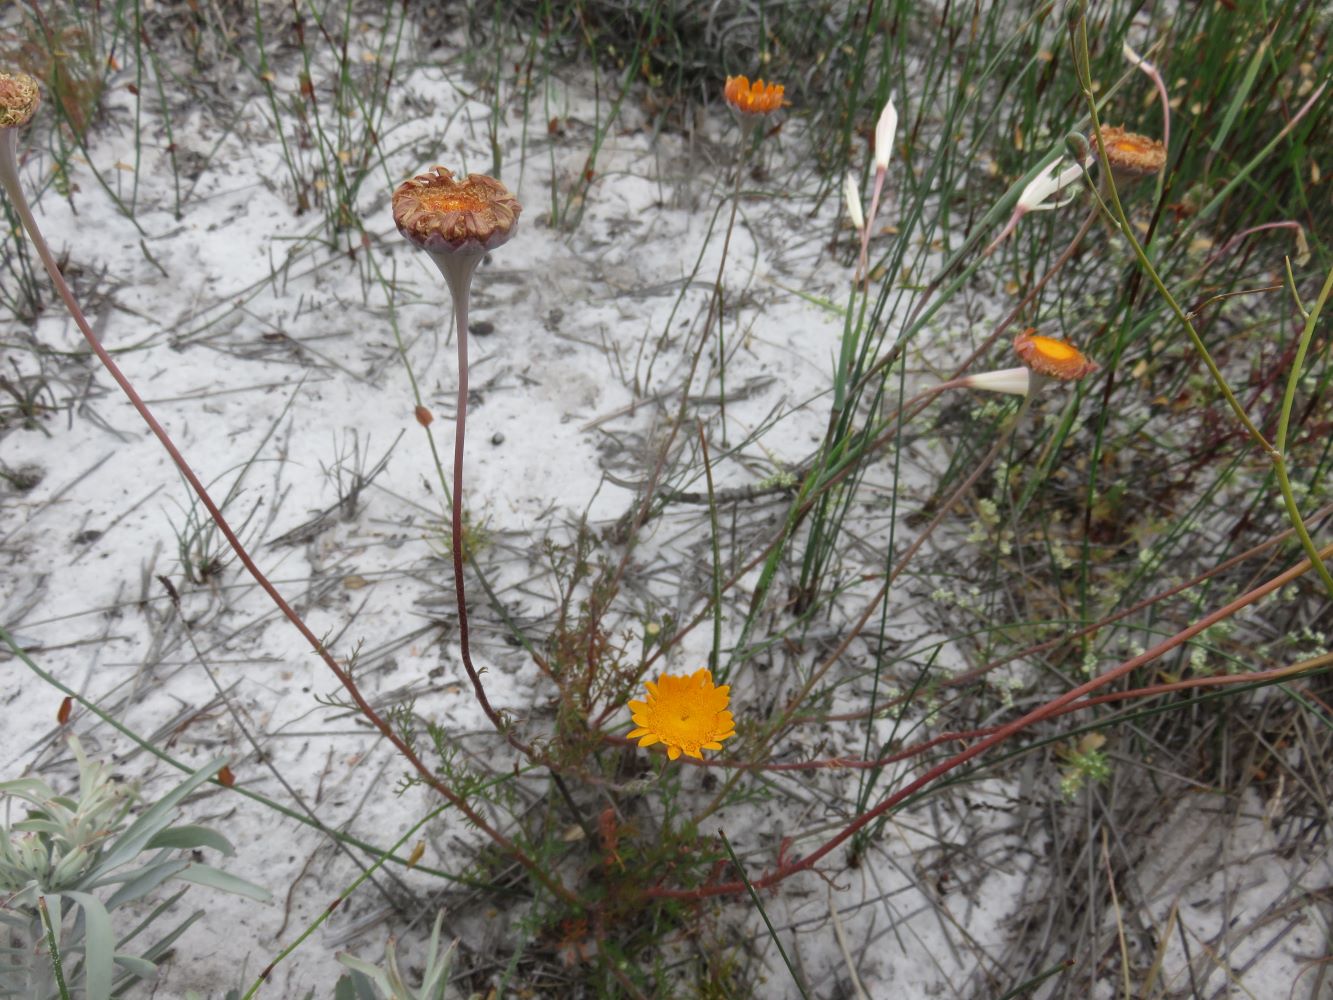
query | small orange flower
[1130, 155]
[688, 714]
[756, 98]
[442, 214]
[1056, 358]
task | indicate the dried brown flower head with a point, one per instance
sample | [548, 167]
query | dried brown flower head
[442, 214]
[1056, 358]
[19, 98]
[1129, 154]
[755, 98]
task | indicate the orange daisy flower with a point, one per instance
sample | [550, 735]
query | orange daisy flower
[687, 714]
[756, 98]
[1056, 358]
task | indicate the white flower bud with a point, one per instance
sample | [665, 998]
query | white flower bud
[853, 198]
[884, 133]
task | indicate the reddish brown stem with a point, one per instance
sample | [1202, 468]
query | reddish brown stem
[963, 679]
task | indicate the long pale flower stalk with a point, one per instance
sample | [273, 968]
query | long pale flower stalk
[458, 270]
[457, 222]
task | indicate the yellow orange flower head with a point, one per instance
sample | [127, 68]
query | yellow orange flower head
[756, 98]
[1129, 154]
[443, 214]
[687, 714]
[19, 98]
[1056, 358]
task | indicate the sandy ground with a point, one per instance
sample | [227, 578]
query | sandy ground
[273, 363]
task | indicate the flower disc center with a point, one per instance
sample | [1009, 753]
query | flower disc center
[440, 200]
[1054, 349]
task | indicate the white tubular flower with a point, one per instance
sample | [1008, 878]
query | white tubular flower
[1036, 196]
[1015, 381]
[853, 199]
[884, 133]
[1136, 60]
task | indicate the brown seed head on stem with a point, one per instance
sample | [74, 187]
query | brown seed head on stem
[442, 214]
[1129, 154]
[19, 98]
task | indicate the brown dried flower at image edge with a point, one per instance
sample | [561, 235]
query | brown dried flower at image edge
[443, 214]
[19, 98]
